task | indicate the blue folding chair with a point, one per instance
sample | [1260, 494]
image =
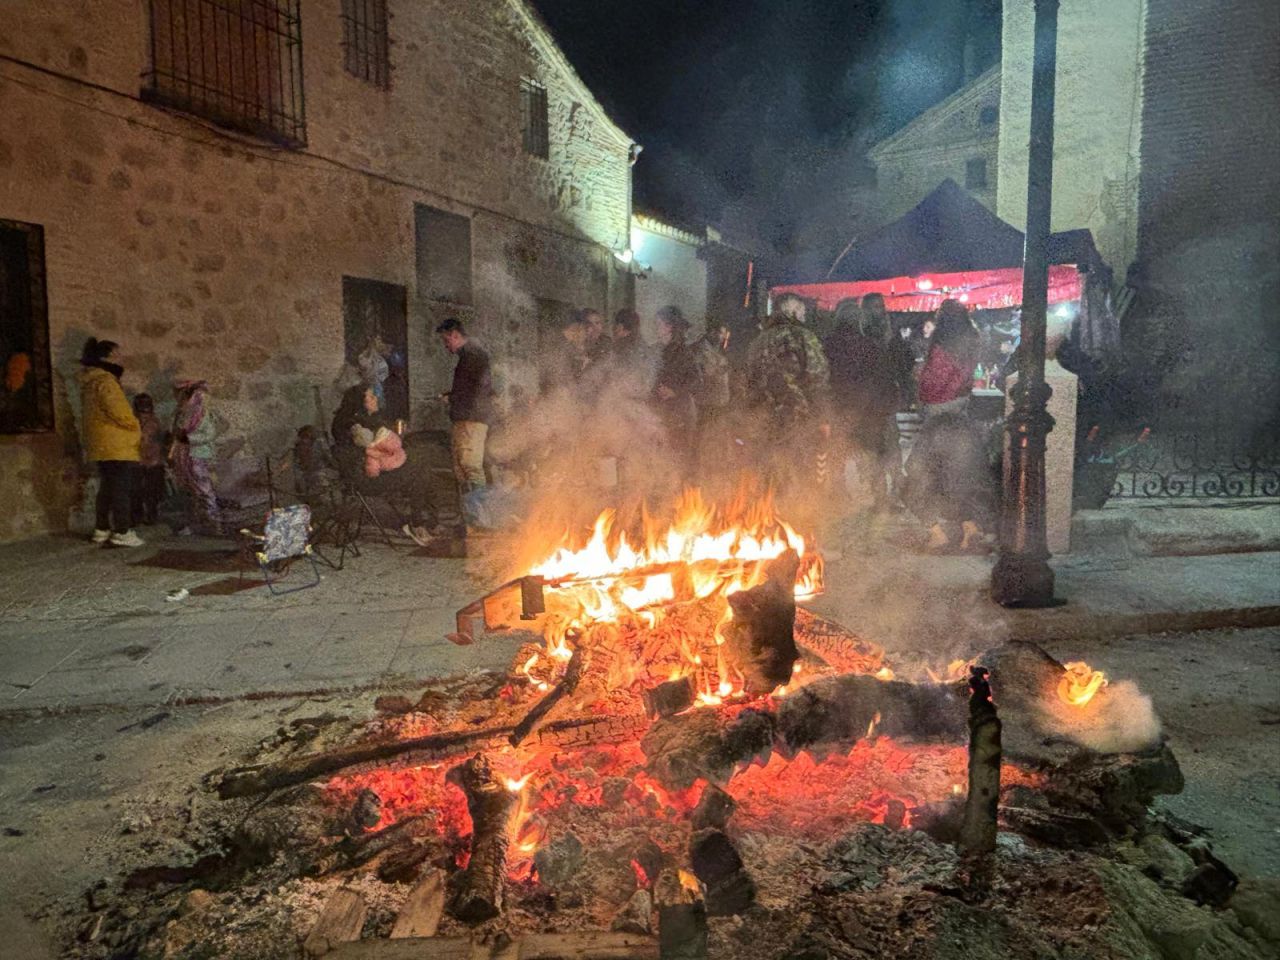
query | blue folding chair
[286, 536]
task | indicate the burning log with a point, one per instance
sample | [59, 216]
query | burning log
[978, 829]
[568, 683]
[714, 809]
[705, 744]
[760, 641]
[262, 778]
[478, 890]
[682, 917]
[669, 697]
[834, 645]
[570, 732]
[839, 711]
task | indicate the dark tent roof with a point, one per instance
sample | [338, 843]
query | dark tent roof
[949, 232]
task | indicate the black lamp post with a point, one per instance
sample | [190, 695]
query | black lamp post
[1022, 576]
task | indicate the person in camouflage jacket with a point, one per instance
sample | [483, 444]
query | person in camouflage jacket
[787, 371]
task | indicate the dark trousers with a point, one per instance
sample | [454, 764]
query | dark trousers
[113, 510]
[146, 493]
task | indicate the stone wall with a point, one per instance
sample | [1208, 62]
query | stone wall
[1098, 121]
[210, 254]
[937, 146]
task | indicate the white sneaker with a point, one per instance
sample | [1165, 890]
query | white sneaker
[100, 536]
[129, 539]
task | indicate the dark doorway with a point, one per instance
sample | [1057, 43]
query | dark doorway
[373, 311]
[26, 382]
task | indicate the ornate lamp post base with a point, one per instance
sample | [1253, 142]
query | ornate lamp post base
[1022, 576]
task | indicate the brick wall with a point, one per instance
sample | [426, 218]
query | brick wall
[214, 255]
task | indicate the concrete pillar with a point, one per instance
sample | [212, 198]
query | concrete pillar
[1060, 453]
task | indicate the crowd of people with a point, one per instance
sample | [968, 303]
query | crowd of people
[804, 415]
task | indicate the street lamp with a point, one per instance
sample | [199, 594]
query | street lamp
[1022, 576]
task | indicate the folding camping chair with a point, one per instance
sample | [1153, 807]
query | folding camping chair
[285, 537]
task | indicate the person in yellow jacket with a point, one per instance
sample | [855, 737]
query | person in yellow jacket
[112, 438]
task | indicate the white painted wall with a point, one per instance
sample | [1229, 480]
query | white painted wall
[675, 276]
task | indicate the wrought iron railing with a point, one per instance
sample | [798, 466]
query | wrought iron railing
[1191, 462]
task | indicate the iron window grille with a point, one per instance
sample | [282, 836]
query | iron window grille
[237, 63]
[534, 118]
[365, 44]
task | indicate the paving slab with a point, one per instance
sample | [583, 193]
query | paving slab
[82, 627]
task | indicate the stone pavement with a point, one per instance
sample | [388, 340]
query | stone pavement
[82, 627]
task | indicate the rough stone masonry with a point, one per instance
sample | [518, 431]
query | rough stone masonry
[211, 253]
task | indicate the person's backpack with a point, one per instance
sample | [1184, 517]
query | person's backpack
[713, 377]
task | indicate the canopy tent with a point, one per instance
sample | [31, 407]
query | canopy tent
[949, 244]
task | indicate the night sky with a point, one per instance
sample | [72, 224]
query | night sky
[749, 110]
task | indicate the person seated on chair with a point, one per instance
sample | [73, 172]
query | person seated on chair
[371, 457]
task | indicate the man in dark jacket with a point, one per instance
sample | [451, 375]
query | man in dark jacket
[470, 405]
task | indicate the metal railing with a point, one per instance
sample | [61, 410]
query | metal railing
[365, 52]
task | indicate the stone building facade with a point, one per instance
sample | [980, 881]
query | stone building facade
[955, 139]
[1167, 126]
[392, 162]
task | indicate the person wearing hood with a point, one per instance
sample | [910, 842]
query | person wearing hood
[112, 437]
[192, 454]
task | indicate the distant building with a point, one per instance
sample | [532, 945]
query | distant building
[700, 270]
[956, 139]
[1166, 134]
[250, 192]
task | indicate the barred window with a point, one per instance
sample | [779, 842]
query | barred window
[533, 118]
[237, 63]
[365, 42]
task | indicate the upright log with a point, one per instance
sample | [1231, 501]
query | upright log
[478, 890]
[978, 828]
[760, 640]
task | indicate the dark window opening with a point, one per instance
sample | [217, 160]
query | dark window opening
[26, 378]
[534, 118]
[443, 253]
[988, 115]
[365, 42]
[237, 63]
[375, 323]
[975, 174]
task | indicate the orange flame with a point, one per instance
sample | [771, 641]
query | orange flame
[1079, 683]
[704, 552]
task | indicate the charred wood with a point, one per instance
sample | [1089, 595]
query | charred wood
[706, 744]
[835, 646]
[478, 891]
[838, 711]
[682, 918]
[714, 809]
[978, 828]
[567, 685]
[760, 640]
[588, 945]
[730, 890]
[669, 698]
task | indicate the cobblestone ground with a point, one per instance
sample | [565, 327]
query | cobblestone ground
[83, 626]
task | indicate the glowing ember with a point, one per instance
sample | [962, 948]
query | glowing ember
[884, 673]
[1079, 683]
